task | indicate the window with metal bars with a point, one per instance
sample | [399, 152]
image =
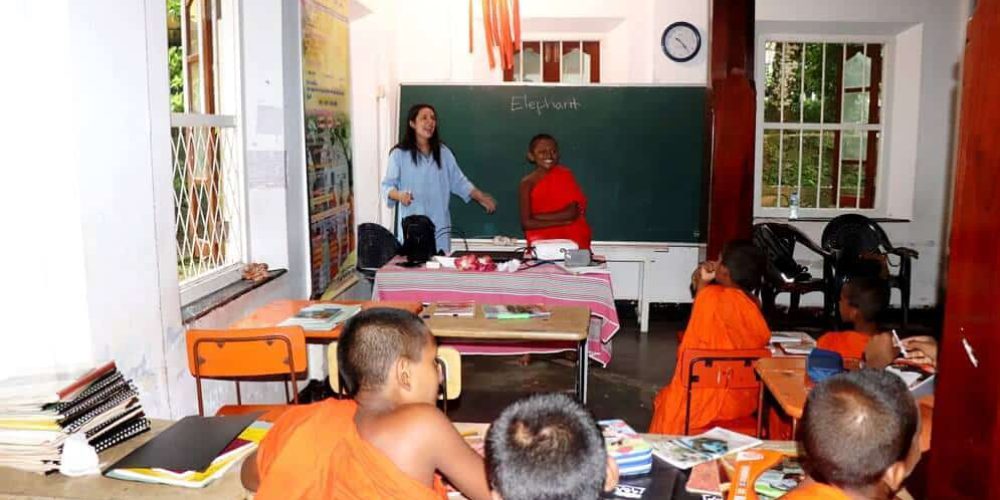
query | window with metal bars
[822, 128]
[208, 185]
[557, 62]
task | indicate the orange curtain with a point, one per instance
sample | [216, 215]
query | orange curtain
[502, 29]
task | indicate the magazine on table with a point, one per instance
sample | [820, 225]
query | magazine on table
[780, 479]
[321, 316]
[529, 311]
[688, 451]
[455, 309]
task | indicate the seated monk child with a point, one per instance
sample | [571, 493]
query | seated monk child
[389, 441]
[862, 300]
[726, 315]
[552, 203]
[859, 433]
[547, 446]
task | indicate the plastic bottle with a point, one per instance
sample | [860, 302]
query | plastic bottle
[793, 206]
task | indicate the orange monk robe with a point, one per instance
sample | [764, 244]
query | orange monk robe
[314, 451]
[850, 344]
[556, 189]
[816, 491]
[722, 318]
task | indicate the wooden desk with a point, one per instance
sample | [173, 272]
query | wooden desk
[280, 310]
[16, 484]
[567, 323]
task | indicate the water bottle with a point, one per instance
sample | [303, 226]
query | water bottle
[793, 206]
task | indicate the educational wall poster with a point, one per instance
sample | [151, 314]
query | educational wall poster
[326, 82]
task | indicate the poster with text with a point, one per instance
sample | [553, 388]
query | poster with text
[326, 85]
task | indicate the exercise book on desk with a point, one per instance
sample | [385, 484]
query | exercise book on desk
[321, 317]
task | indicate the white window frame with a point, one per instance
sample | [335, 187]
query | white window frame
[209, 282]
[884, 126]
[541, 38]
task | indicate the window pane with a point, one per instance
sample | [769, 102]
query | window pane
[791, 82]
[869, 170]
[592, 62]
[789, 173]
[772, 79]
[832, 84]
[769, 173]
[550, 61]
[875, 54]
[571, 63]
[810, 169]
[813, 92]
[827, 168]
[532, 55]
[851, 147]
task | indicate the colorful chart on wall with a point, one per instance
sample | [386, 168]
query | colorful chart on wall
[326, 82]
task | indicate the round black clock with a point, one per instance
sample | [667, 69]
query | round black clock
[681, 41]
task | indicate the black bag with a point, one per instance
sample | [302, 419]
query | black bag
[418, 238]
[376, 246]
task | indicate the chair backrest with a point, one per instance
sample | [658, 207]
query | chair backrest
[722, 368]
[448, 357]
[852, 235]
[376, 246]
[777, 241]
[253, 352]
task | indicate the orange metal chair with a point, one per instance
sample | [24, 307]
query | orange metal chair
[256, 354]
[723, 369]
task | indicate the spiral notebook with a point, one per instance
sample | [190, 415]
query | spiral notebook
[121, 433]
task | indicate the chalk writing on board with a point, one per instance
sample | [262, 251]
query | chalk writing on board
[542, 104]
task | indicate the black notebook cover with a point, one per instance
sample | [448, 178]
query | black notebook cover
[190, 444]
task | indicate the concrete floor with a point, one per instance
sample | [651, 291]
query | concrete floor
[640, 365]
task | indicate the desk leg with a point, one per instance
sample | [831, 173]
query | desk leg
[760, 410]
[582, 362]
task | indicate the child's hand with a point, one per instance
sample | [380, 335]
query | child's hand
[921, 349]
[611, 475]
[707, 270]
[574, 209]
[488, 203]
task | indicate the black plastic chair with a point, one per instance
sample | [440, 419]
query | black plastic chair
[783, 274]
[852, 239]
[376, 247]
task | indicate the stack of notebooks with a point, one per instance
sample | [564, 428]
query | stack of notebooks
[37, 415]
[633, 454]
[193, 452]
[321, 317]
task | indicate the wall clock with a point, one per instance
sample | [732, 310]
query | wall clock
[681, 41]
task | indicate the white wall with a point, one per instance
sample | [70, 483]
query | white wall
[92, 275]
[396, 42]
[937, 30]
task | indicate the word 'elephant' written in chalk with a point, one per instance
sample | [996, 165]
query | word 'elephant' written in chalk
[540, 104]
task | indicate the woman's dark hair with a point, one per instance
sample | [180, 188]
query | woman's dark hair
[409, 142]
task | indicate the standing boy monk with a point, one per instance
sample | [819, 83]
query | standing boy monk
[388, 442]
[548, 447]
[551, 202]
[726, 315]
[859, 434]
[862, 300]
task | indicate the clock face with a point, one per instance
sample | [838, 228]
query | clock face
[681, 41]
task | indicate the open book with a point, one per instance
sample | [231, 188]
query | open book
[516, 312]
[321, 317]
[688, 451]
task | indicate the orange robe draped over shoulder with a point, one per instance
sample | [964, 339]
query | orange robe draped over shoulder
[556, 189]
[816, 491]
[722, 318]
[849, 343]
[314, 451]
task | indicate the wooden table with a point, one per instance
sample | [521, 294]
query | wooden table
[280, 310]
[15, 484]
[785, 378]
[567, 323]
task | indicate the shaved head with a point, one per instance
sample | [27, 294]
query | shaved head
[373, 340]
[855, 426]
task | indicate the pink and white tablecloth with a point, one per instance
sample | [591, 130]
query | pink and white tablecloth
[546, 284]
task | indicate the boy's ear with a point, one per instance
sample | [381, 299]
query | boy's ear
[530, 157]
[402, 370]
[894, 476]
[495, 495]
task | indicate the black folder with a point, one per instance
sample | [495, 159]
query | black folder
[190, 444]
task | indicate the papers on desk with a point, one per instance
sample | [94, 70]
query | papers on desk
[38, 414]
[241, 446]
[321, 317]
[516, 312]
[633, 454]
[788, 337]
[792, 343]
[920, 382]
[686, 452]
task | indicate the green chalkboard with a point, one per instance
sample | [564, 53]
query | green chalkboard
[637, 153]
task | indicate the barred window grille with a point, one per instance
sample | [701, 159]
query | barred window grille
[822, 129]
[208, 195]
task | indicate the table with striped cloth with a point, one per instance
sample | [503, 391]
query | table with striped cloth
[546, 284]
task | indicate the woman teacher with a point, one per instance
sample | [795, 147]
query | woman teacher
[423, 174]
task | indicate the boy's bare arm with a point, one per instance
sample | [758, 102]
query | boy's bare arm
[248, 473]
[880, 352]
[454, 458]
[567, 214]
